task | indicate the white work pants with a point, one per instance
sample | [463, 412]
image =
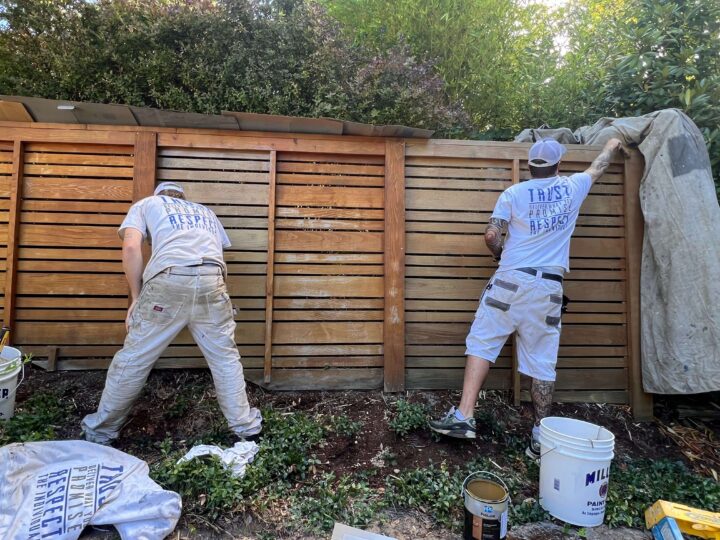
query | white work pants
[195, 297]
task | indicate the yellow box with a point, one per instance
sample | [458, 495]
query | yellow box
[690, 520]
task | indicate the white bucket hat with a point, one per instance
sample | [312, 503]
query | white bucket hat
[546, 152]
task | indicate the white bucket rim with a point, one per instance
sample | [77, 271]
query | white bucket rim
[607, 441]
[592, 450]
[576, 453]
[12, 364]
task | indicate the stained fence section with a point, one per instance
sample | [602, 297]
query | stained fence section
[327, 320]
[71, 293]
[448, 202]
[451, 190]
[235, 185]
[318, 282]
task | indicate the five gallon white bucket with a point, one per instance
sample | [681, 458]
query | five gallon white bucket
[10, 365]
[575, 470]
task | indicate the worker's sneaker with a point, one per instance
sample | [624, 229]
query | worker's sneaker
[452, 425]
[533, 449]
[103, 441]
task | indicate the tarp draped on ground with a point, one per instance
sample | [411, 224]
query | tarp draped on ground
[680, 273]
[55, 489]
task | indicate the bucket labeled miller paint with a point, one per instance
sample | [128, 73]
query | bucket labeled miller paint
[575, 470]
[486, 507]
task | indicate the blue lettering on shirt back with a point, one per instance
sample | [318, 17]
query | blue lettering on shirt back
[184, 215]
[549, 209]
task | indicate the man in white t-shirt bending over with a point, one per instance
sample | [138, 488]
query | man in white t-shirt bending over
[526, 293]
[183, 285]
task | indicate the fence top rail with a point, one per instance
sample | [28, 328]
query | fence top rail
[413, 145]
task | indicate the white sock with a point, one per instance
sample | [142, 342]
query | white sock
[459, 415]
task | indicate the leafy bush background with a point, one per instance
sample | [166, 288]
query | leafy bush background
[466, 68]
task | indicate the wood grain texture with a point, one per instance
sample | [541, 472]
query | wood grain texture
[335, 232]
[394, 278]
[642, 403]
[13, 234]
[270, 274]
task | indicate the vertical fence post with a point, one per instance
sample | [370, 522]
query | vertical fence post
[394, 262]
[144, 165]
[16, 185]
[641, 402]
[144, 171]
[515, 372]
[270, 280]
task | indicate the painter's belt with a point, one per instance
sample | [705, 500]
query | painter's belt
[544, 275]
[205, 269]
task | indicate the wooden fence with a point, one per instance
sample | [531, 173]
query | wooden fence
[356, 262]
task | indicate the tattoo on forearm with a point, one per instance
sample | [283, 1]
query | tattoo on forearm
[542, 395]
[494, 236]
[601, 164]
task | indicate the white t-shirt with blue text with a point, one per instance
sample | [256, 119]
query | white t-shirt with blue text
[182, 233]
[541, 215]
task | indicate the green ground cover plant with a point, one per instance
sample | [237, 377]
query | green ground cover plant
[318, 466]
[35, 420]
[408, 417]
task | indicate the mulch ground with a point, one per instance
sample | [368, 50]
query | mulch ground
[181, 405]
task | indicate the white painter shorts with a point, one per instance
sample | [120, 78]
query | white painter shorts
[515, 301]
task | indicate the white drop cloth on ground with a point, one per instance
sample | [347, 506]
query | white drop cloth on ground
[235, 458]
[55, 489]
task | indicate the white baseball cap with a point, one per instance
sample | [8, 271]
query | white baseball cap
[549, 151]
[168, 186]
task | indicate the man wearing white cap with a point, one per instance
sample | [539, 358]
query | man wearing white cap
[182, 285]
[526, 293]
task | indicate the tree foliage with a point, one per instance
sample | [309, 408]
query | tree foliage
[281, 57]
[472, 68]
[673, 61]
[483, 49]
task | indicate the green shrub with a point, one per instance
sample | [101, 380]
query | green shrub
[637, 485]
[285, 450]
[432, 490]
[528, 511]
[408, 417]
[36, 419]
[349, 500]
[343, 426]
[205, 485]
[285, 57]
[285, 456]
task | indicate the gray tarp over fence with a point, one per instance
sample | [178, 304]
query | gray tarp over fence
[680, 273]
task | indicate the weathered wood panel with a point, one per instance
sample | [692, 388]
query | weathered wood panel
[322, 319]
[70, 278]
[451, 190]
[328, 265]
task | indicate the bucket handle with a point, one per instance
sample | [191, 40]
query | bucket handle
[486, 474]
[22, 375]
